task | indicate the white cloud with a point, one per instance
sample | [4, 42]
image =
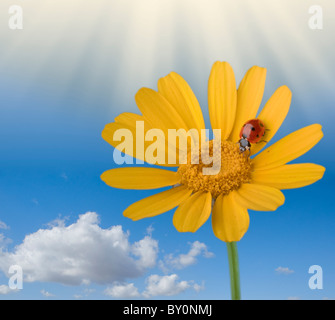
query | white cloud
[58, 222]
[185, 260]
[3, 225]
[167, 285]
[147, 250]
[198, 287]
[4, 289]
[284, 270]
[81, 253]
[122, 291]
[4, 241]
[150, 230]
[64, 176]
[88, 291]
[156, 285]
[85, 293]
[46, 293]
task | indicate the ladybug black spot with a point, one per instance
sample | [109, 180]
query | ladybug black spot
[253, 129]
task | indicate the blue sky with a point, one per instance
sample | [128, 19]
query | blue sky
[72, 69]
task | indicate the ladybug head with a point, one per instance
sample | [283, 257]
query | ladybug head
[244, 145]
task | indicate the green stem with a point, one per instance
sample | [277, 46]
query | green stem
[234, 271]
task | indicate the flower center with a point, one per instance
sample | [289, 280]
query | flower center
[234, 170]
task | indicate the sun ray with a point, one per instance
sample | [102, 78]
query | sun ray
[103, 46]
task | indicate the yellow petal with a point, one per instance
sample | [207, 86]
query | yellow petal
[160, 114]
[222, 97]
[289, 148]
[157, 111]
[259, 197]
[128, 121]
[140, 178]
[125, 121]
[193, 213]
[249, 98]
[179, 94]
[289, 176]
[273, 115]
[157, 204]
[230, 220]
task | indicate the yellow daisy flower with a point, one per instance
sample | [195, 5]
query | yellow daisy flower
[243, 182]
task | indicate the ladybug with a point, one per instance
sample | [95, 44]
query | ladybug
[252, 132]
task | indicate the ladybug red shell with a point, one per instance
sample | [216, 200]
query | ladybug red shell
[251, 132]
